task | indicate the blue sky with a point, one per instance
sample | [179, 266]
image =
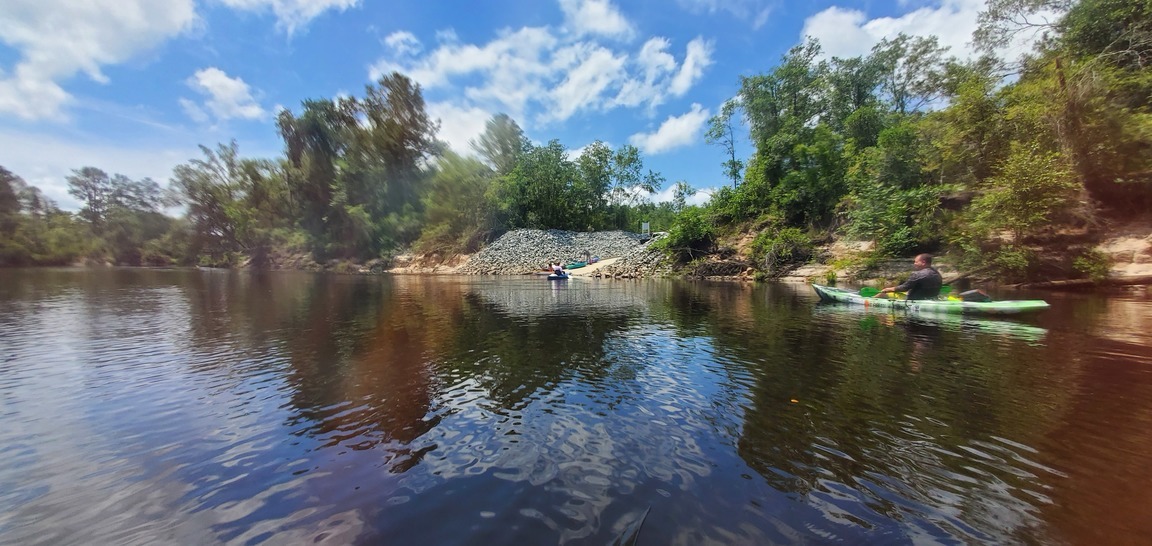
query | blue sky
[133, 86]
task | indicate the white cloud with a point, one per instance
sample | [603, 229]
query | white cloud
[596, 17]
[459, 126]
[291, 15]
[58, 38]
[756, 11]
[193, 110]
[849, 33]
[698, 58]
[841, 32]
[510, 62]
[404, 44]
[45, 161]
[674, 133]
[596, 69]
[228, 97]
[535, 74]
[655, 64]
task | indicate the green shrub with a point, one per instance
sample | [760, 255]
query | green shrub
[1013, 261]
[691, 236]
[1093, 264]
[777, 251]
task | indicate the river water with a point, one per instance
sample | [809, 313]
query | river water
[203, 407]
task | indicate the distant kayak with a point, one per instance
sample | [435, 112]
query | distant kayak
[1007, 307]
[555, 277]
[575, 265]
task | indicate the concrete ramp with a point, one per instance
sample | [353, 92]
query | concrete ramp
[590, 269]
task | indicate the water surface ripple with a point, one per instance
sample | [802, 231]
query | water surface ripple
[202, 407]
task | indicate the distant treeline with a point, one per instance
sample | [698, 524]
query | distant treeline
[361, 178]
[907, 147]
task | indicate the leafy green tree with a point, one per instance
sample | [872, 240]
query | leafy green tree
[894, 198]
[9, 201]
[691, 236]
[93, 188]
[32, 230]
[681, 191]
[1031, 188]
[356, 167]
[629, 186]
[124, 213]
[458, 215]
[722, 131]
[209, 188]
[1117, 32]
[796, 169]
[808, 193]
[964, 141]
[393, 136]
[314, 143]
[536, 193]
[851, 86]
[500, 143]
[1003, 21]
[592, 187]
[911, 71]
[234, 206]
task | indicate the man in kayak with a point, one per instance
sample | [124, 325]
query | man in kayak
[925, 282]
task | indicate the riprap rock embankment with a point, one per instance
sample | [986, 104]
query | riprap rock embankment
[526, 251]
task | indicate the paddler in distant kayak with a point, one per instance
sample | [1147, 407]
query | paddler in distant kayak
[925, 282]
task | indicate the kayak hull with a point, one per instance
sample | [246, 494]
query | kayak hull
[1007, 307]
[555, 277]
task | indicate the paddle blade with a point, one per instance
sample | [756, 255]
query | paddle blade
[869, 291]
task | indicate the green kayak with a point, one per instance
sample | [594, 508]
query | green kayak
[575, 265]
[1008, 307]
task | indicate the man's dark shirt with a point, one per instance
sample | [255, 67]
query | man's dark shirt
[923, 284]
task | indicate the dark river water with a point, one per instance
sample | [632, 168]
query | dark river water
[204, 407]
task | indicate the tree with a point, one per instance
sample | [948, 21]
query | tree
[1031, 187]
[538, 193]
[395, 133]
[852, 85]
[314, 143]
[9, 201]
[137, 195]
[210, 189]
[628, 184]
[93, 188]
[681, 191]
[500, 144]
[356, 166]
[457, 211]
[1002, 21]
[1117, 32]
[722, 131]
[910, 69]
